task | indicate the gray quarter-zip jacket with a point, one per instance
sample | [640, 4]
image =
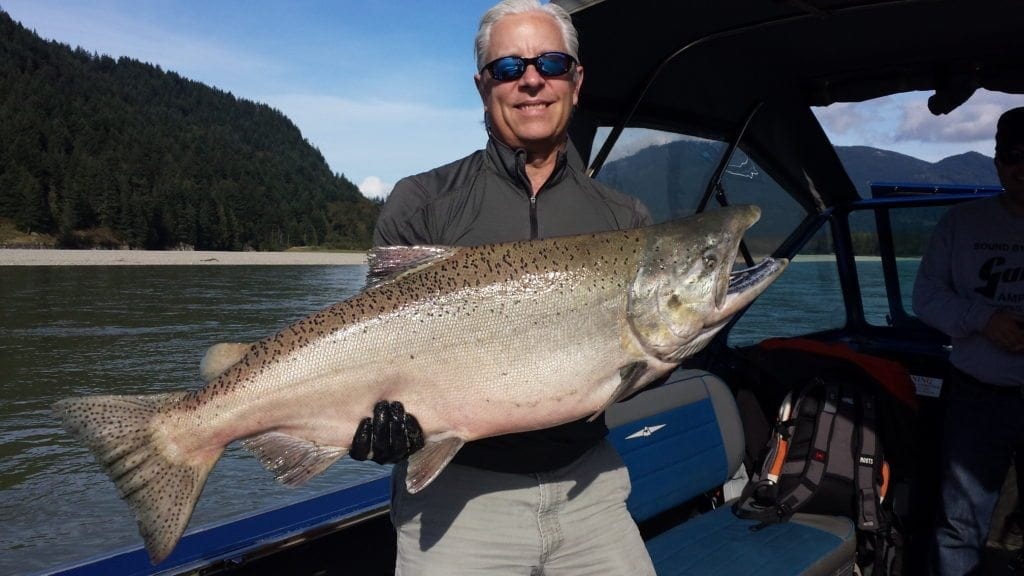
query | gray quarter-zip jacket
[485, 198]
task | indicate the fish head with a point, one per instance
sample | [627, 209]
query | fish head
[685, 289]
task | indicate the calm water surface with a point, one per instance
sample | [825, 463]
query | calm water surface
[69, 331]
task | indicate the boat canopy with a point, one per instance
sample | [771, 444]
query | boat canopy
[756, 67]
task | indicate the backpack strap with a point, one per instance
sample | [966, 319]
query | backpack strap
[757, 500]
[869, 462]
[812, 469]
[760, 499]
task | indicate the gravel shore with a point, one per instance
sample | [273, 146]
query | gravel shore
[28, 257]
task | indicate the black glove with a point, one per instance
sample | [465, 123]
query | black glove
[387, 437]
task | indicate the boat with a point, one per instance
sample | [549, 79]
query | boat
[740, 78]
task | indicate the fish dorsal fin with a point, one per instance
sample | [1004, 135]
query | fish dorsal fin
[389, 262]
[220, 357]
[629, 376]
[292, 460]
[429, 461]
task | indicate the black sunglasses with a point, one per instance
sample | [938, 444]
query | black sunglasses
[548, 64]
[1011, 157]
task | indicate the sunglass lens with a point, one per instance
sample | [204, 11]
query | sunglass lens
[507, 68]
[553, 63]
[513, 67]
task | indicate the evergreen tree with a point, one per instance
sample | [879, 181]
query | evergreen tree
[88, 142]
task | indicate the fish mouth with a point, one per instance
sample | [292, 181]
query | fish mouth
[742, 280]
[747, 284]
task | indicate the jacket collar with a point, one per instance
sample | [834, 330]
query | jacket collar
[512, 163]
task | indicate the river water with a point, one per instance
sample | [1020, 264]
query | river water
[78, 330]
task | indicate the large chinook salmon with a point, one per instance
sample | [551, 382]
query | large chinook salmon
[475, 342]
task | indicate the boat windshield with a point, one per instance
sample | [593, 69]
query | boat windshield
[670, 172]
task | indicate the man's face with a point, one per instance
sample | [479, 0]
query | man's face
[533, 111]
[1010, 166]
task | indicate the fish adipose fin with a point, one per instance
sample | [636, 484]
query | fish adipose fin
[629, 375]
[428, 462]
[220, 357]
[292, 460]
[390, 262]
[120, 433]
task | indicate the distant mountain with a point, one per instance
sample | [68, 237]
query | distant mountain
[665, 175]
[866, 165]
[121, 153]
[670, 178]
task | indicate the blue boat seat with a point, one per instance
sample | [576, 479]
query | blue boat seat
[685, 438]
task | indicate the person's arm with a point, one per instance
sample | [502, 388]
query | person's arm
[391, 433]
[935, 300]
[395, 224]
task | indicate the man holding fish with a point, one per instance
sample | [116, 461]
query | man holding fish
[548, 501]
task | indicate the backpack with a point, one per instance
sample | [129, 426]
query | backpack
[826, 453]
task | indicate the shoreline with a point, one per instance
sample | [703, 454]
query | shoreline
[61, 257]
[58, 257]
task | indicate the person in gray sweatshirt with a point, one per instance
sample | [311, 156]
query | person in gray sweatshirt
[971, 287]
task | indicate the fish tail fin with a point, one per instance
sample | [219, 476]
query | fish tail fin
[122, 433]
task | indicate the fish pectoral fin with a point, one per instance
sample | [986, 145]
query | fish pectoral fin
[429, 461]
[629, 375]
[220, 357]
[292, 460]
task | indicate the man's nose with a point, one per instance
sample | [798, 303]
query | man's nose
[531, 76]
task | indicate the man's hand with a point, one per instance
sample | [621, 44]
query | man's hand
[387, 437]
[1006, 330]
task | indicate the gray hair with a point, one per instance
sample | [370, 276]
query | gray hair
[509, 7]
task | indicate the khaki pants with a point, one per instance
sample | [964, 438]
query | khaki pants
[568, 522]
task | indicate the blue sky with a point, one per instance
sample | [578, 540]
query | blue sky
[384, 88]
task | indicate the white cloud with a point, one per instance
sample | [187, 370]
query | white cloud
[903, 123]
[973, 121]
[841, 118]
[374, 188]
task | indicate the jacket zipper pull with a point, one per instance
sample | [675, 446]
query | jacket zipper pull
[533, 218]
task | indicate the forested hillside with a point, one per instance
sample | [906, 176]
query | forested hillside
[97, 151]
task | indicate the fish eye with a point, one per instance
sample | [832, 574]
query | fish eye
[710, 261]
